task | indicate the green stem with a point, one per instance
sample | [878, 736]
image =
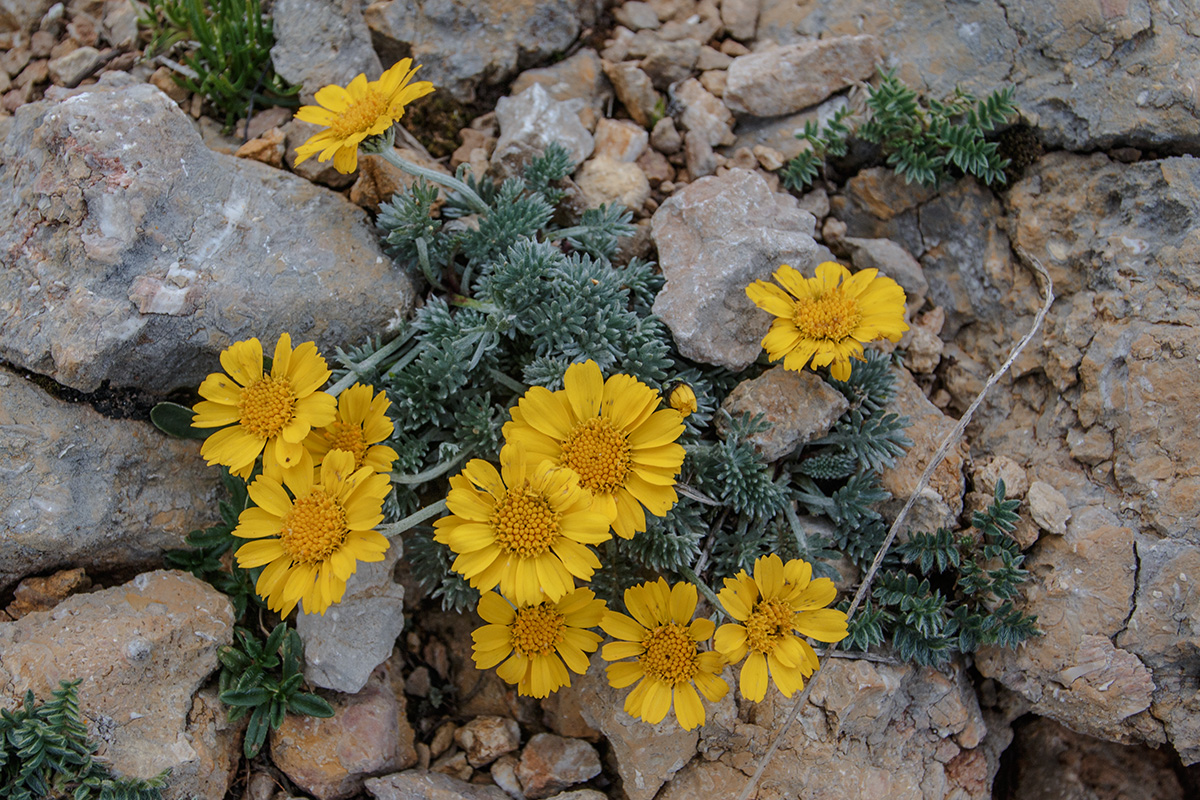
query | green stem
[708, 593]
[368, 363]
[431, 473]
[504, 380]
[413, 519]
[408, 358]
[454, 184]
[426, 267]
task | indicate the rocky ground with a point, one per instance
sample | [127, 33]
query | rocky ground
[138, 240]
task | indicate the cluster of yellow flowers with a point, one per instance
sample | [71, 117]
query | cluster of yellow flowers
[324, 472]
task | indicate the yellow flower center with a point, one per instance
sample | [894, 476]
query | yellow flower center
[831, 316]
[770, 621]
[348, 437]
[537, 630]
[599, 453]
[313, 527]
[361, 115]
[267, 405]
[670, 654]
[524, 523]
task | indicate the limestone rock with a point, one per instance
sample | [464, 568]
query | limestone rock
[550, 763]
[321, 42]
[783, 80]
[714, 238]
[417, 784]
[344, 645]
[22, 15]
[634, 90]
[378, 180]
[330, 758]
[740, 18]
[487, 738]
[799, 405]
[665, 137]
[605, 181]
[136, 254]
[580, 77]
[636, 16]
[43, 594]
[467, 45]
[704, 114]
[84, 490]
[70, 69]
[1002, 468]
[532, 121]
[893, 261]
[1048, 507]
[160, 637]
[267, 149]
[620, 140]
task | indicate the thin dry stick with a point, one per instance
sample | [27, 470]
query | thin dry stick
[933, 464]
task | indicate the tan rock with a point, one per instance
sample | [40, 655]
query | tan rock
[486, 738]
[415, 784]
[580, 76]
[605, 181]
[267, 149]
[43, 594]
[634, 90]
[799, 406]
[551, 763]
[379, 180]
[786, 79]
[704, 113]
[1002, 468]
[620, 140]
[1048, 507]
[656, 168]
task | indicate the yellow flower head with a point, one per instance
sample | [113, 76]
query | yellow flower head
[312, 539]
[828, 318]
[781, 600]
[682, 398]
[525, 528]
[610, 434]
[664, 642]
[543, 638]
[268, 414]
[361, 109]
[361, 424]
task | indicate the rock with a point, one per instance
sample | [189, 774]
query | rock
[160, 636]
[562, 713]
[893, 261]
[266, 149]
[699, 156]
[72, 68]
[1048, 507]
[656, 168]
[620, 140]
[799, 406]
[83, 490]
[665, 138]
[353, 637]
[1095, 75]
[330, 758]
[714, 238]
[740, 18]
[704, 114]
[129, 251]
[43, 594]
[418, 785]
[22, 15]
[454, 764]
[636, 16]
[504, 773]
[322, 42]
[580, 77]
[1002, 468]
[580, 794]
[378, 180]
[785, 79]
[646, 755]
[532, 121]
[467, 45]
[605, 181]
[922, 347]
[120, 24]
[167, 85]
[635, 91]
[941, 502]
[487, 738]
[551, 763]
[1055, 763]
[217, 744]
[669, 62]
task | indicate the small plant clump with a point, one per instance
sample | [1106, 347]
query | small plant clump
[45, 752]
[923, 139]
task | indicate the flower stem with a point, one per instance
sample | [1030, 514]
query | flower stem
[413, 519]
[454, 184]
[367, 363]
[431, 473]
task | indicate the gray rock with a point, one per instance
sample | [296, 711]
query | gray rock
[504, 773]
[531, 122]
[893, 261]
[665, 136]
[353, 637]
[620, 140]
[634, 90]
[465, 45]
[76, 65]
[579, 77]
[420, 785]
[740, 18]
[550, 763]
[79, 489]
[136, 254]
[1048, 507]
[142, 651]
[486, 738]
[120, 24]
[704, 113]
[580, 794]
[714, 238]
[636, 16]
[668, 62]
[799, 405]
[22, 15]
[322, 42]
[785, 79]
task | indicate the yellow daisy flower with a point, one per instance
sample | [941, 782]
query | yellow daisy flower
[525, 528]
[682, 398]
[268, 414]
[664, 642]
[828, 318]
[544, 639]
[361, 109]
[779, 601]
[608, 432]
[312, 539]
[361, 424]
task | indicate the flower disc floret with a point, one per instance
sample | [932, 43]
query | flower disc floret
[612, 434]
[311, 531]
[267, 414]
[769, 609]
[523, 528]
[539, 642]
[828, 318]
[663, 641]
